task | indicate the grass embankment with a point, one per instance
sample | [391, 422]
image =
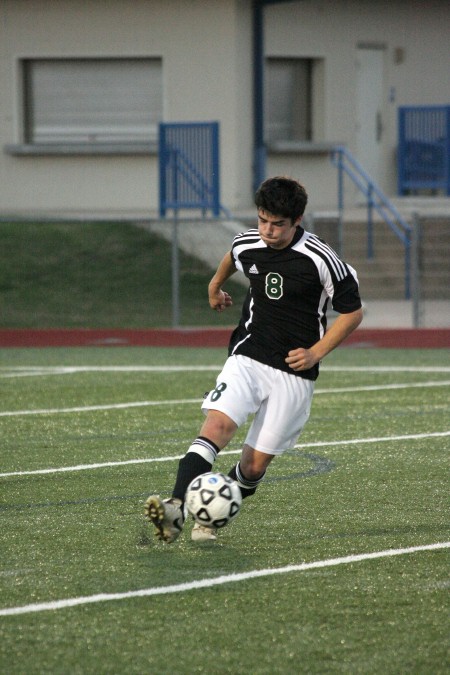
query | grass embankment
[99, 275]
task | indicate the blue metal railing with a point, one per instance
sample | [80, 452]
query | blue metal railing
[424, 148]
[376, 202]
[189, 167]
[188, 179]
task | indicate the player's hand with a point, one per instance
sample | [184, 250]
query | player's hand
[301, 359]
[220, 301]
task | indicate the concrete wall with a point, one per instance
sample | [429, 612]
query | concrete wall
[414, 39]
[206, 47]
[206, 73]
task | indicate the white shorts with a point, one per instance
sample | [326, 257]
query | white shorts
[280, 401]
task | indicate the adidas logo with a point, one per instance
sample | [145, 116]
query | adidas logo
[253, 270]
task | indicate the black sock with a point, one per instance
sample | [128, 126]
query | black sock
[189, 467]
[247, 487]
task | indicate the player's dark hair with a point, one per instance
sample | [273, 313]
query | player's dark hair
[282, 197]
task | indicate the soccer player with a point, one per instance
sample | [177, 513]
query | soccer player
[274, 352]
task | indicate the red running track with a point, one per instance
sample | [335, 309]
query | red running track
[398, 338]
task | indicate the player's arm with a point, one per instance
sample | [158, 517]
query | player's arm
[219, 299]
[303, 359]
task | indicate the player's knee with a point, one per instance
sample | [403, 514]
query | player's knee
[218, 427]
[254, 464]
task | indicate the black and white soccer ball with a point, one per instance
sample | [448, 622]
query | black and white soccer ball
[213, 499]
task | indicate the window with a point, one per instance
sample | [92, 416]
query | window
[92, 101]
[288, 99]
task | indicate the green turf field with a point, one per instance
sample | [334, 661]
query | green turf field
[290, 587]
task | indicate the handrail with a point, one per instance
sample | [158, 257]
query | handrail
[376, 200]
[183, 165]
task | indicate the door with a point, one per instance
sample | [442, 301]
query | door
[369, 105]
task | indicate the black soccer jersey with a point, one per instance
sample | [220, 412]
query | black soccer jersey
[286, 304]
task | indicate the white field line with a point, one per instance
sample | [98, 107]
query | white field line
[216, 581]
[142, 404]
[93, 408]
[27, 371]
[150, 460]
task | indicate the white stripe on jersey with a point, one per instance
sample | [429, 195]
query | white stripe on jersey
[244, 241]
[250, 311]
[248, 324]
[239, 343]
[251, 230]
[250, 239]
[314, 244]
[249, 236]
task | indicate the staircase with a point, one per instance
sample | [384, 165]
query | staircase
[422, 261]
[383, 277]
[436, 258]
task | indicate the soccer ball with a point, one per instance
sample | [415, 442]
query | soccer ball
[213, 499]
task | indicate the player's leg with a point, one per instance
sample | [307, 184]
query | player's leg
[249, 472]
[216, 432]
[226, 408]
[237, 393]
[275, 428]
[167, 515]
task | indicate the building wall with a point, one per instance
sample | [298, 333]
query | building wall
[206, 62]
[414, 39]
[206, 47]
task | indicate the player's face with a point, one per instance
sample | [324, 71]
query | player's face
[276, 231]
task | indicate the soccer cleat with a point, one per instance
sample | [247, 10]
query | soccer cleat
[166, 516]
[202, 533]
